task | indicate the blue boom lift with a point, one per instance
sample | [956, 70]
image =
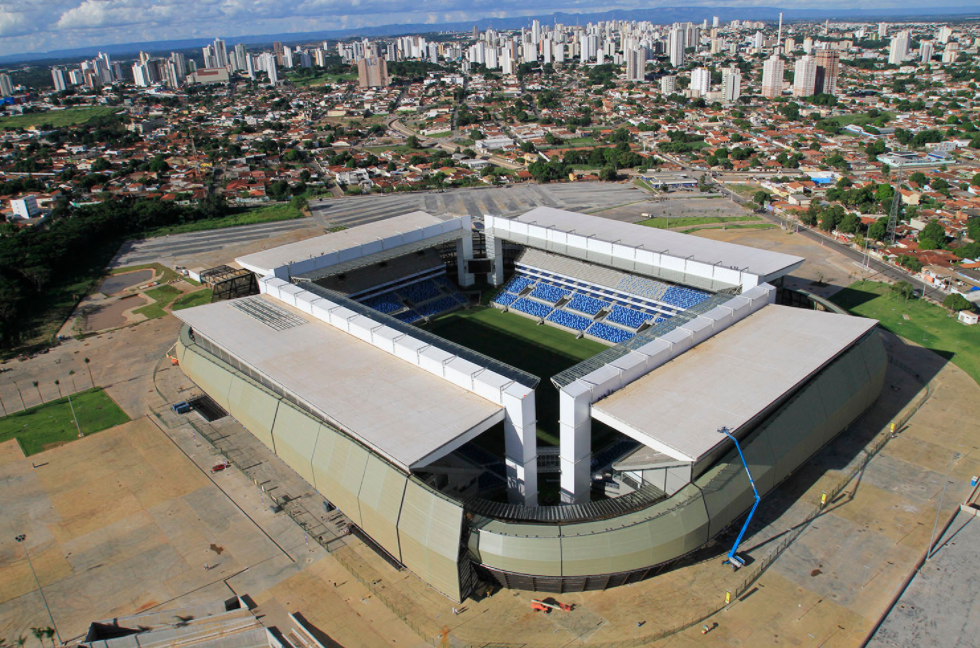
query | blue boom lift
[733, 558]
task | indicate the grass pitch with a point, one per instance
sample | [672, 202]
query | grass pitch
[51, 424]
[518, 341]
[929, 325]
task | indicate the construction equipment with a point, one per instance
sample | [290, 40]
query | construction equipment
[733, 558]
[543, 606]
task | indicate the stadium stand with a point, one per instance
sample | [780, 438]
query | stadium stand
[386, 303]
[569, 320]
[419, 292]
[517, 284]
[407, 316]
[549, 294]
[534, 308]
[505, 299]
[436, 306]
[609, 333]
[648, 288]
[586, 304]
[684, 297]
[627, 317]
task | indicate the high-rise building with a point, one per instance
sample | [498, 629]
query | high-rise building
[210, 61]
[926, 52]
[6, 87]
[945, 33]
[714, 22]
[899, 50]
[277, 51]
[220, 53]
[700, 82]
[951, 52]
[668, 84]
[731, 84]
[372, 73]
[240, 53]
[807, 45]
[805, 76]
[772, 77]
[272, 69]
[789, 45]
[677, 42]
[882, 30]
[636, 64]
[828, 70]
[58, 76]
[287, 58]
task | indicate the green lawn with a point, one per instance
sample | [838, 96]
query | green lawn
[729, 227]
[518, 341]
[51, 424]
[193, 299]
[440, 134]
[162, 297]
[927, 324]
[392, 148]
[661, 222]
[57, 118]
[167, 274]
[251, 216]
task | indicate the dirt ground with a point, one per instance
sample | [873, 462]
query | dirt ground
[823, 273]
[125, 520]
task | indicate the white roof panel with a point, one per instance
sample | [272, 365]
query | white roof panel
[763, 263]
[348, 239]
[403, 412]
[728, 379]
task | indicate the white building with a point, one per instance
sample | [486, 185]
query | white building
[772, 77]
[899, 50]
[805, 76]
[668, 84]
[636, 64]
[676, 44]
[6, 87]
[25, 207]
[700, 82]
[58, 76]
[731, 84]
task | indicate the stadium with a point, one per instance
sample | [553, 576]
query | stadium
[535, 401]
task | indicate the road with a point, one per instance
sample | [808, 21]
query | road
[886, 269]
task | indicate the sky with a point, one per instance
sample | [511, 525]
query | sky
[45, 25]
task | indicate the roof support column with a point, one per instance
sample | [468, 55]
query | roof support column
[464, 254]
[521, 445]
[495, 252]
[575, 402]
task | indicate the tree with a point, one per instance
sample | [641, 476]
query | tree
[878, 229]
[35, 383]
[760, 198]
[159, 165]
[608, 174]
[850, 224]
[933, 236]
[89, 367]
[956, 302]
[903, 289]
[412, 142]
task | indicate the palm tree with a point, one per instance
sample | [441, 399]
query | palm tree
[34, 382]
[38, 634]
[71, 374]
[58, 385]
[20, 641]
[49, 633]
[87, 366]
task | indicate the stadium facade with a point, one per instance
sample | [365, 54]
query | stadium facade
[398, 427]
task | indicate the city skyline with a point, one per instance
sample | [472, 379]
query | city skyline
[56, 25]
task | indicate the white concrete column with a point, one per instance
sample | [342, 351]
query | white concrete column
[464, 254]
[495, 252]
[575, 453]
[521, 445]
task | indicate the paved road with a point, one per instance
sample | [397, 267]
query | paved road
[505, 201]
[165, 248]
[885, 269]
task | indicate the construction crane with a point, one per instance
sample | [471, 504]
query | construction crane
[733, 558]
[543, 606]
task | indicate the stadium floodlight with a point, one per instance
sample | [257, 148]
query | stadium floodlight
[733, 558]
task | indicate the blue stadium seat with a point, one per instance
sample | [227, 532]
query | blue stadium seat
[586, 304]
[683, 297]
[505, 299]
[386, 302]
[517, 284]
[419, 292]
[549, 294]
[436, 306]
[531, 307]
[609, 333]
[408, 316]
[627, 317]
[569, 320]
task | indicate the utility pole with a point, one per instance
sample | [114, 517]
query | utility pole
[21, 538]
[893, 212]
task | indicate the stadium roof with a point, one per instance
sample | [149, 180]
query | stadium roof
[359, 241]
[727, 380]
[403, 412]
[673, 245]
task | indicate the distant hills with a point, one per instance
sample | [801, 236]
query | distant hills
[662, 15]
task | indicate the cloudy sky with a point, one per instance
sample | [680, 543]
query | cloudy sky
[44, 25]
